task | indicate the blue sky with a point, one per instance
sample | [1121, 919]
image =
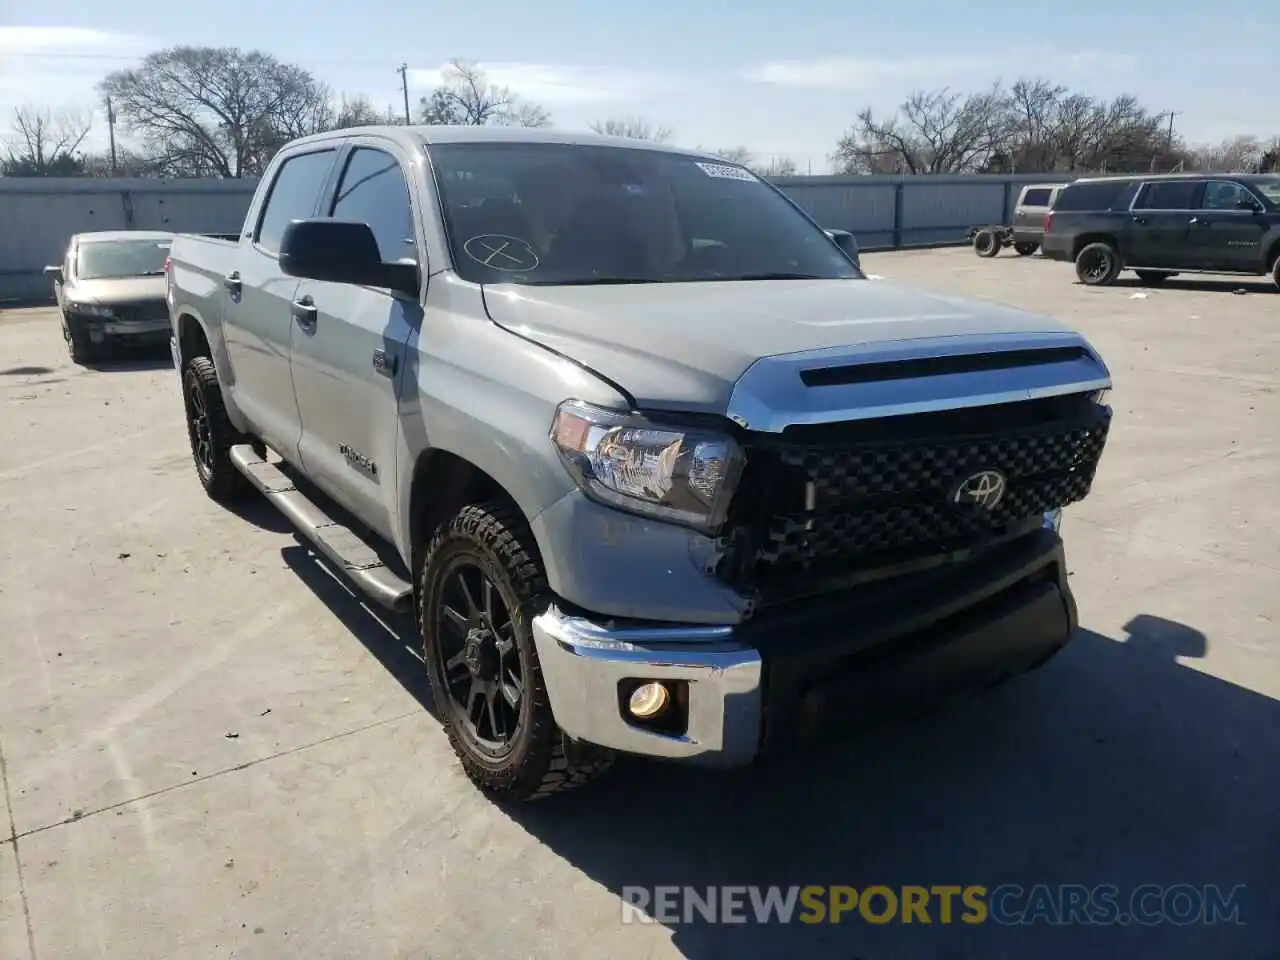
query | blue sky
[781, 80]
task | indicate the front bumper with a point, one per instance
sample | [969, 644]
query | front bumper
[767, 685]
[100, 329]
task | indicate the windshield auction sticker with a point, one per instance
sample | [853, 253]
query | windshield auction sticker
[724, 171]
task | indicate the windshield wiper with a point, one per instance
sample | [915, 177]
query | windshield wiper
[776, 276]
[590, 282]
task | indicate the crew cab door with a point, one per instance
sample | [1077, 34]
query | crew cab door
[256, 321]
[1159, 231]
[349, 344]
[1224, 234]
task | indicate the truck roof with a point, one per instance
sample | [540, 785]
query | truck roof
[1196, 175]
[97, 236]
[419, 134]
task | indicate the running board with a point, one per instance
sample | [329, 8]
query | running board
[341, 545]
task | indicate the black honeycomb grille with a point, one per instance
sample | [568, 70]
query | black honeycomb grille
[845, 504]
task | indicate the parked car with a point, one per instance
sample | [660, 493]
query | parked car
[1029, 213]
[655, 467]
[110, 286]
[1160, 226]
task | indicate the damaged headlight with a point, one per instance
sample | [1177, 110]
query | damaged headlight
[91, 310]
[677, 474]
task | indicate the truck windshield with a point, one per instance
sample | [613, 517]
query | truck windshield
[110, 259]
[564, 214]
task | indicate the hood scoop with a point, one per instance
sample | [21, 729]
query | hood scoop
[916, 367]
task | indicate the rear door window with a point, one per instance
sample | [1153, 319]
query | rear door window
[1168, 195]
[294, 194]
[1039, 197]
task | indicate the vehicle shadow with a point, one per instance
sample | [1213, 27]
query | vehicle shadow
[1114, 764]
[1204, 286]
[25, 371]
[390, 637]
[132, 362]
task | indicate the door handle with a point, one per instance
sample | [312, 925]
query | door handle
[384, 363]
[1197, 222]
[232, 281]
[1138, 219]
[304, 313]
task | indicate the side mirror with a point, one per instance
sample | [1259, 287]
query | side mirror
[343, 251]
[54, 274]
[846, 242]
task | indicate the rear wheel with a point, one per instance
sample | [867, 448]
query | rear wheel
[480, 587]
[985, 243]
[1098, 264]
[1153, 277]
[210, 432]
[1025, 249]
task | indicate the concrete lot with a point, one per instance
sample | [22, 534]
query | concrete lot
[210, 748]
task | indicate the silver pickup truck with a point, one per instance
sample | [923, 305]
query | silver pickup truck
[655, 467]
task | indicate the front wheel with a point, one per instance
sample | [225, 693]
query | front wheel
[1098, 264]
[210, 432]
[1275, 271]
[80, 348]
[481, 586]
[1025, 249]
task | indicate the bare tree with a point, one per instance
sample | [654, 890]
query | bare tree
[776, 167]
[466, 97]
[1034, 126]
[1243, 154]
[216, 111]
[361, 112]
[739, 154]
[635, 128]
[933, 132]
[44, 143]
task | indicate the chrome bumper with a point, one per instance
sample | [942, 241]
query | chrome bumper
[583, 664]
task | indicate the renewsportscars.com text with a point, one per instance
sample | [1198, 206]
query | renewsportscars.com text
[1055, 905]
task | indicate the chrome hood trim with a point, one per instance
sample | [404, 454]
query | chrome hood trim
[770, 396]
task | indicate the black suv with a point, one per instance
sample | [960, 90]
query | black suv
[1162, 225]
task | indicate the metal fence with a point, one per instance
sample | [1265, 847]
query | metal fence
[37, 216]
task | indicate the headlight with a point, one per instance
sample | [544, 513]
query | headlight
[681, 475]
[91, 309]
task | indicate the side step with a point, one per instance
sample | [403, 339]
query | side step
[340, 545]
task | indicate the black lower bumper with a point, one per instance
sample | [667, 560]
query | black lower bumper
[1056, 247]
[900, 649]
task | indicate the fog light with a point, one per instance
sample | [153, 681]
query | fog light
[648, 700]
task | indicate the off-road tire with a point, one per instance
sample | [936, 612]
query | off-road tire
[1153, 278]
[1087, 259]
[1026, 248]
[986, 244]
[80, 348]
[497, 539]
[218, 475]
[1275, 271]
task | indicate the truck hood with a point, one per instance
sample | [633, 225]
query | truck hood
[685, 345]
[117, 290]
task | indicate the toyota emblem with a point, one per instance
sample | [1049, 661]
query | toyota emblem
[982, 490]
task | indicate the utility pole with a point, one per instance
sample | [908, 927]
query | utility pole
[111, 134]
[404, 87]
[1172, 114]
